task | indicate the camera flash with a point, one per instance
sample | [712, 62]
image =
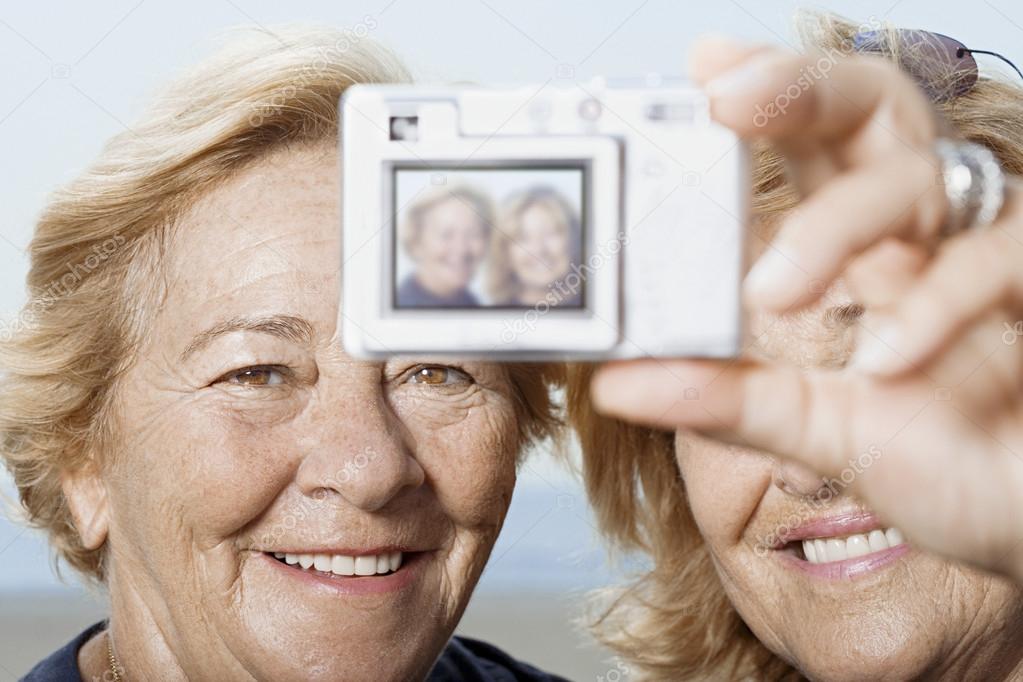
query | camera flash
[405, 128]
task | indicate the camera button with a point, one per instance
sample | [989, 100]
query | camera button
[590, 109]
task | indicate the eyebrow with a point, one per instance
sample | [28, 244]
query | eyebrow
[843, 315]
[282, 326]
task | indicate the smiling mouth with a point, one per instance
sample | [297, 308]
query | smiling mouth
[832, 549]
[346, 566]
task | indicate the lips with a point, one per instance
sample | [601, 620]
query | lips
[351, 573]
[841, 546]
[346, 565]
[829, 549]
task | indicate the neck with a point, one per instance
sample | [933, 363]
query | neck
[93, 663]
[434, 286]
[533, 295]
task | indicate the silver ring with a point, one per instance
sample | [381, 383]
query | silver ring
[974, 184]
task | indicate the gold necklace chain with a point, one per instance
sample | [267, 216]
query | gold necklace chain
[114, 665]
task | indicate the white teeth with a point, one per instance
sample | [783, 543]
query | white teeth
[338, 564]
[856, 545]
[365, 565]
[823, 550]
[836, 550]
[343, 565]
[810, 551]
[877, 541]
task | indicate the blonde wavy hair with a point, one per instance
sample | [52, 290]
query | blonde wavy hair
[674, 621]
[503, 283]
[95, 272]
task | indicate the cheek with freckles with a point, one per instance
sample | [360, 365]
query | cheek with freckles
[191, 480]
[465, 442]
[220, 457]
[724, 484]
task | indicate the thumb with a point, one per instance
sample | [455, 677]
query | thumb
[714, 54]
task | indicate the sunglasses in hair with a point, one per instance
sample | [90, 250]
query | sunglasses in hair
[943, 66]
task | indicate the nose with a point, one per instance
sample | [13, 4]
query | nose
[465, 245]
[541, 255]
[795, 479]
[361, 456]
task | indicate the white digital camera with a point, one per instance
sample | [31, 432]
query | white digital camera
[583, 222]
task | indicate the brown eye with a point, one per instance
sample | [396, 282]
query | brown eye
[437, 375]
[256, 376]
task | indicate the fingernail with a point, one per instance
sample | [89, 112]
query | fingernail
[744, 77]
[879, 351]
[768, 278]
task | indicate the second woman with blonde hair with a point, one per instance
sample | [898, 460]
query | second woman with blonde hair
[538, 239]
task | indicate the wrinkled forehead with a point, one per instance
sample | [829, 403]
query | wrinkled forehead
[451, 211]
[543, 214]
[268, 240]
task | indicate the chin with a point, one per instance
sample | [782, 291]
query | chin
[875, 655]
[314, 654]
[904, 632]
[298, 626]
[899, 624]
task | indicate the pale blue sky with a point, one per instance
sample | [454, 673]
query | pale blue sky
[76, 73]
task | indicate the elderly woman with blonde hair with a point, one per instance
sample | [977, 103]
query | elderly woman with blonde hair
[844, 502]
[183, 423]
[538, 238]
[445, 232]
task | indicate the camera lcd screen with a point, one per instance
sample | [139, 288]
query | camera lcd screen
[497, 237]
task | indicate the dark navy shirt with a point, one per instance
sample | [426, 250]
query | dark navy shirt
[463, 660]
